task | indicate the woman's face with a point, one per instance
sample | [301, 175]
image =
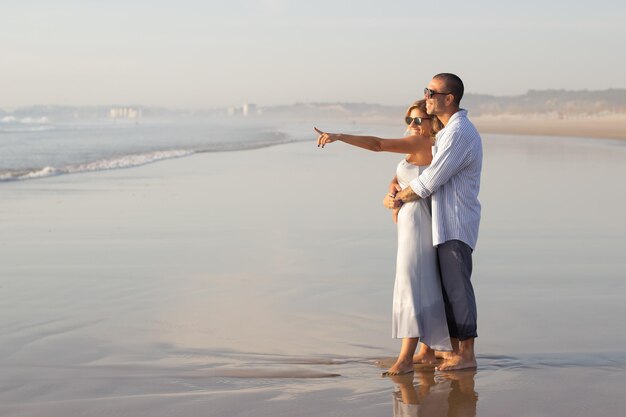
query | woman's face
[424, 128]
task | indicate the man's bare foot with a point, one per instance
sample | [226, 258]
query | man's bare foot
[457, 362]
[401, 367]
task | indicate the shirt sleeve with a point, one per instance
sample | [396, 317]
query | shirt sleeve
[453, 154]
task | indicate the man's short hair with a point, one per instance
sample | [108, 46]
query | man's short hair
[453, 84]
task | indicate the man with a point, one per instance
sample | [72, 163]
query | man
[453, 180]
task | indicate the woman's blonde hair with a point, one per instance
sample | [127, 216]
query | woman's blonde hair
[435, 122]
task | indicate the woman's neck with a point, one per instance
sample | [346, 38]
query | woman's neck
[424, 155]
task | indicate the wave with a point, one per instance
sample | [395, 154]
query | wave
[126, 161]
[130, 161]
[18, 129]
[11, 124]
[243, 146]
[25, 120]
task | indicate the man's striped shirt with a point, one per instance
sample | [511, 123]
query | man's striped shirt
[453, 179]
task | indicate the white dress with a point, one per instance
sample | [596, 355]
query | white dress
[418, 309]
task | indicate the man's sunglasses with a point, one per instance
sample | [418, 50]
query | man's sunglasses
[430, 93]
[416, 120]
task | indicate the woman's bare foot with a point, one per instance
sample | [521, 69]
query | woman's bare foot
[425, 356]
[401, 367]
[442, 354]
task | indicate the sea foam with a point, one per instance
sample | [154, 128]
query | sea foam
[126, 161]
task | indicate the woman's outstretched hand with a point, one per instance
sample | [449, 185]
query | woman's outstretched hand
[325, 138]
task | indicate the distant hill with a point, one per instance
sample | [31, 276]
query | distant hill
[549, 101]
[312, 111]
[552, 103]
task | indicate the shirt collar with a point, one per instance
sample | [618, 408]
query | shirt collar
[461, 113]
[457, 115]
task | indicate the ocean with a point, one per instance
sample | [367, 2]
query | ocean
[38, 148]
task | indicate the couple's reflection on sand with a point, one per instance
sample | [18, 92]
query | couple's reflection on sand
[429, 394]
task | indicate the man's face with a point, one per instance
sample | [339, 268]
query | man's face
[436, 104]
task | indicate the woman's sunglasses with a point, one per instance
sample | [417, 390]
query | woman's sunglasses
[416, 120]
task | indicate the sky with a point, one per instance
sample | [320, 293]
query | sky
[220, 53]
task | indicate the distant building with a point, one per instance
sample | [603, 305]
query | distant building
[249, 109]
[125, 113]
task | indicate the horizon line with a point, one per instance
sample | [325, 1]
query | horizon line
[225, 107]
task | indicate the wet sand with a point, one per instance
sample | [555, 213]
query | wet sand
[259, 283]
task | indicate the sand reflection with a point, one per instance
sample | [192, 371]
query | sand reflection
[448, 394]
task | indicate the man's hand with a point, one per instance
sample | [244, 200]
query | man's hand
[407, 195]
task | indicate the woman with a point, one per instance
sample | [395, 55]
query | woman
[418, 309]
